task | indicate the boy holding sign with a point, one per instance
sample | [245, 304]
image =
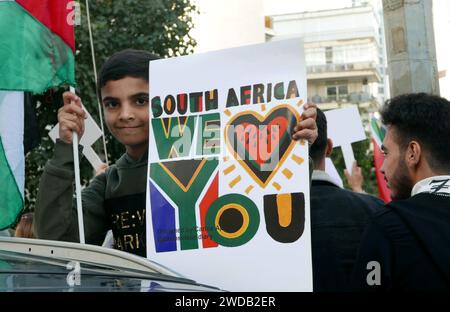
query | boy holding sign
[114, 199]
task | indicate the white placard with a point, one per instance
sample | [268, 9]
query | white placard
[91, 134]
[228, 200]
[344, 127]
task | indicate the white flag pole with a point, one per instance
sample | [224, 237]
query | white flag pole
[76, 162]
[91, 40]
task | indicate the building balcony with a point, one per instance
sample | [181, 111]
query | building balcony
[363, 70]
[362, 99]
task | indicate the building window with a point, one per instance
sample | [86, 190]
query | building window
[337, 93]
[332, 93]
[342, 92]
[329, 55]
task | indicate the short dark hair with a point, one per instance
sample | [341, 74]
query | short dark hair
[317, 150]
[126, 63]
[425, 118]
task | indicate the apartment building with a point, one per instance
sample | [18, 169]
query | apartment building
[344, 53]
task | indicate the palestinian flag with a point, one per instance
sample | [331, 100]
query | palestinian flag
[36, 53]
[378, 133]
[12, 162]
[36, 45]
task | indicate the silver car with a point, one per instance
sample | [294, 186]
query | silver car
[41, 265]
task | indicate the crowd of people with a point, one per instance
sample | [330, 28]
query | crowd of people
[406, 242]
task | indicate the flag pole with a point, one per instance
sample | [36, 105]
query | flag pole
[76, 162]
[91, 40]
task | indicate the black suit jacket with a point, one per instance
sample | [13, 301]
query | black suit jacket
[338, 220]
[410, 239]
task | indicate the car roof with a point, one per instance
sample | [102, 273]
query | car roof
[53, 256]
[90, 254]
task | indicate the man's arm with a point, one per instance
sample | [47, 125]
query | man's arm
[356, 179]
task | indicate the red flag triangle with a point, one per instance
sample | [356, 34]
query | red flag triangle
[55, 15]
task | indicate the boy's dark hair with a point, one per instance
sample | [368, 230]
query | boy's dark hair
[126, 63]
[424, 118]
[317, 150]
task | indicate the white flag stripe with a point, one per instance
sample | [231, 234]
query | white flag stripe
[11, 132]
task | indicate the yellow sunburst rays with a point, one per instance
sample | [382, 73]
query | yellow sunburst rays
[235, 180]
[287, 173]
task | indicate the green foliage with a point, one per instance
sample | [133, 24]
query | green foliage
[158, 26]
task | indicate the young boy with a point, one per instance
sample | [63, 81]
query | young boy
[114, 199]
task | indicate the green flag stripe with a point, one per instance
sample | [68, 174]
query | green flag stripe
[377, 131]
[11, 201]
[32, 58]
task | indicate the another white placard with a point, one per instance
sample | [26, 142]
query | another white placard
[344, 127]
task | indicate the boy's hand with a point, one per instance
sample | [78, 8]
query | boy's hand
[71, 117]
[101, 168]
[306, 129]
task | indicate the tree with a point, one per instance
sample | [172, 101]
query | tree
[158, 26]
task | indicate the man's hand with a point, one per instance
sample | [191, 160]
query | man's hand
[71, 117]
[306, 129]
[356, 179]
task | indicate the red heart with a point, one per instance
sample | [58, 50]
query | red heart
[260, 141]
[253, 139]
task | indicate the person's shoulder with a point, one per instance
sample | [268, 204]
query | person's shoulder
[423, 206]
[367, 197]
[384, 212]
[335, 192]
[362, 199]
[422, 198]
[386, 219]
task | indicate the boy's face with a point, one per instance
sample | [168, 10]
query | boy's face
[125, 105]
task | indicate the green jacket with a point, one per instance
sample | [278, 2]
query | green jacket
[55, 213]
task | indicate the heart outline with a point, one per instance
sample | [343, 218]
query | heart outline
[261, 118]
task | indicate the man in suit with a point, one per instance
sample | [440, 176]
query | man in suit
[338, 219]
[407, 244]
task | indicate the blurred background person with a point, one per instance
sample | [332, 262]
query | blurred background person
[338, 219]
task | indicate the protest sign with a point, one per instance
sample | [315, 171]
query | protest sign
[228, 191]
[344, 128]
